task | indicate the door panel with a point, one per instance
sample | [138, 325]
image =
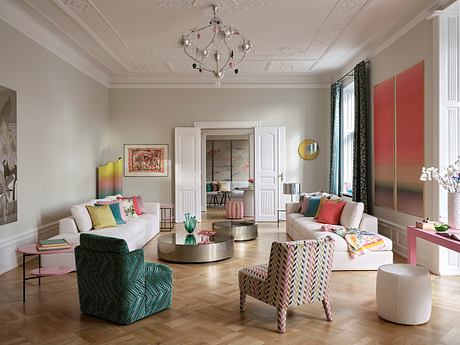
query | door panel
[188, 172]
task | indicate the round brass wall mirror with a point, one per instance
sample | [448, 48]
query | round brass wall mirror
[308, 149]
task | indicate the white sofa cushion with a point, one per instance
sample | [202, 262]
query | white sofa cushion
[82, 218]
[352, 214]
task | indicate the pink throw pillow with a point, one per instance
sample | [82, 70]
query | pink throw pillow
[330, 212]
[304, 205]
[138, 205]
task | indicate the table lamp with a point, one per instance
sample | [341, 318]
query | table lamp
[292, 188]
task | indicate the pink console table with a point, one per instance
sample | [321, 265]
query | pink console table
[39, 272]
[430, 236]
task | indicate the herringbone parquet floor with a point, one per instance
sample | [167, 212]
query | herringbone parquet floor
[205, 310]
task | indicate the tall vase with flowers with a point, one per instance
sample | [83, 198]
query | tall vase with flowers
[450, 181]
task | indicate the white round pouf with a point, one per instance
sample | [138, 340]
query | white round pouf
[404, 294]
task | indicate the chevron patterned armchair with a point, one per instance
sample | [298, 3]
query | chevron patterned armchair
[117, 285]
[299, 272]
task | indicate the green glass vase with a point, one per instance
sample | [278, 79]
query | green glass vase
[189, 223]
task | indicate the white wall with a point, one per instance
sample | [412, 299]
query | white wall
[63, 119]
[149, 116]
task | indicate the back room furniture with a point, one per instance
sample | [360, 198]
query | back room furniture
[115, 284]
[166, 217]
[248, 202]
[404, 294]
[234, 210]
[287, 281]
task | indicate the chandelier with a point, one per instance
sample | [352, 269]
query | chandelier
[215, 48]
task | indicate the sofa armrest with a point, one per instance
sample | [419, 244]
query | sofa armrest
[67, 226]
[291, 207]
[152, 208]
[369, 223]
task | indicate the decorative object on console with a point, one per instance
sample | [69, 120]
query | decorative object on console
[450, 181]
[223, 48]
[110, 179]
[190, 223]
[292, 188]
[308, 149]
[146, 160]
[251, 182]
[8, 156]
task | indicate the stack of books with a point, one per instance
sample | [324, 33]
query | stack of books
[53, 244]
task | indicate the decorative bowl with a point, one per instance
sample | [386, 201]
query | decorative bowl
[441, 227]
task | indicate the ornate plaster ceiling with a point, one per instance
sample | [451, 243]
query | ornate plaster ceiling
[138, 38]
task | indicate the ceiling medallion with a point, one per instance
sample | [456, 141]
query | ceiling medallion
[215, 48]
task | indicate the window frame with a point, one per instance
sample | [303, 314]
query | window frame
[347, 105]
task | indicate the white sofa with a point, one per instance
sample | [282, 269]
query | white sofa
[299, 227]
[136, 232]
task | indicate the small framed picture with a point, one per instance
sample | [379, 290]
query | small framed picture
[146, 160]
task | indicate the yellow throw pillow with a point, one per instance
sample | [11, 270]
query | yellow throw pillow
[101, 216]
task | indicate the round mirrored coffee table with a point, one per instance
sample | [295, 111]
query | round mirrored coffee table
[243, 230]
[185, 248]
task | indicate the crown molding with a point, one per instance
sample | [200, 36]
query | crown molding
[425, 14]
[213, 86]
[22, 20]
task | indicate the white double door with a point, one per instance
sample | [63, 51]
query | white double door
[269, 158]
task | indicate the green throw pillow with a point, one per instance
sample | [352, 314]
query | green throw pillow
[313, 204]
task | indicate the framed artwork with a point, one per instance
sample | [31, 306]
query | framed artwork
[384, 144]
[410, 141]
[146, 160]
[8, 157]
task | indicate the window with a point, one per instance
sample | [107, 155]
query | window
[346, 144]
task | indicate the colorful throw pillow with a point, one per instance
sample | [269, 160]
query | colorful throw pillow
[215, 186]
[101, 216]
[116, 212]
[128, 207]
[117, 202]
[299, 205]
[330, 212]
[138, 205]
[304, 206]
[208, 187]
[326, 199]
[224, 186]
[312, 208]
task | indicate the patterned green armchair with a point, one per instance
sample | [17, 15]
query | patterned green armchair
[117, 285]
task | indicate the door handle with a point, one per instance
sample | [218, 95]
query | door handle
[281, 176]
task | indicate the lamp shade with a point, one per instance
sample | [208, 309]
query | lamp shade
[291, 188]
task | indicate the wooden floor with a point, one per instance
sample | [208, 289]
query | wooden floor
[205, 309]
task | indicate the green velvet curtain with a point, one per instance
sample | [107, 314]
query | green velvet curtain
[336, 114]
[361, 136]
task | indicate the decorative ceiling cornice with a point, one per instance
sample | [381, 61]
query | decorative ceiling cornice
[225, 6]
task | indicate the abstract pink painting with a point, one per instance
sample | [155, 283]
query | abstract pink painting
[384, 143]
[410, 152]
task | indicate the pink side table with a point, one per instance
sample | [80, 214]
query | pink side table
[39, 272]
[428, 235]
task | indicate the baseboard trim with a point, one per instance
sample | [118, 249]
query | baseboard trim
[9, 258]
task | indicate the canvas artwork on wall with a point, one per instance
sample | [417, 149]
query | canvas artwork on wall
[384, 143]
[146, 160]
[410, 152]
[8, 157]
[110, 179]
